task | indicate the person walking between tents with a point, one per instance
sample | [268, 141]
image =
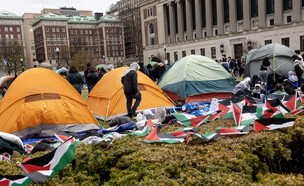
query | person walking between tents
[129, 81]
[75, 78]
[92, 78]
[263, 70]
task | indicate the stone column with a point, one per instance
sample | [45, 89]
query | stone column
[232, 15]
[189, 19]
[198, 18]
[220, 16]
[262, 13]
[180, 20]
[278, 12]
[246, 14]
[209, 18]
[296, 11]
[172, 22]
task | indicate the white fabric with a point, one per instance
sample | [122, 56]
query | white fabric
[133, 66]
[292, 77]
[11, 138]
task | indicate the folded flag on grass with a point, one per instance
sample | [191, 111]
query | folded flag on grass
[55, 160]
[182, 132]
[144, 131]
[273, 123]
[190, 120]
[264, 113]
[215, 115]
[63, 136]
[297, 111]
[248, 115]
[225, 107]
[25, 179]
[276, 105]
[156, 136]
[207, 137]
[233, 130]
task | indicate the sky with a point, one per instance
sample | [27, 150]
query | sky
[20, 7]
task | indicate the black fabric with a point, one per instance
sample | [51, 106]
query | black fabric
[167, 119]
[288, 87]
[41, 147]
[9, 147]
[86, 72]
[101, 73]
[159, 70]
[119, 121]
[129, 82]
[92, 78]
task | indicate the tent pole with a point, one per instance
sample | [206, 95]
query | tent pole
[274, 66]
[107, 111]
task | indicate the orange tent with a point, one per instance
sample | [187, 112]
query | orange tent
[40, 102]
[107, 99]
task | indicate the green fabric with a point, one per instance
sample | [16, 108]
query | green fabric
[280, 93]
[76, 80]
[102, 66]
[196, 74]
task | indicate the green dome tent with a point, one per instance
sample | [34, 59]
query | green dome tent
[279, 57]
[196, 78]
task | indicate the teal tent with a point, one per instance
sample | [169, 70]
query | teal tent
[196, 78]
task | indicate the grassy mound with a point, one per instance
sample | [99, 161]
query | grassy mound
[268, 157]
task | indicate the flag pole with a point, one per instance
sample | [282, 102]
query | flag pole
[274, 66]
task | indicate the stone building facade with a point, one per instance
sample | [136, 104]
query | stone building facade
[214, 28]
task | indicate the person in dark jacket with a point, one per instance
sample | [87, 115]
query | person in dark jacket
[159, 70]
[75, 78]
[102, 72]
[129, 81]
[298, 68]
[151, 70]
[86, 71]
[92, 78]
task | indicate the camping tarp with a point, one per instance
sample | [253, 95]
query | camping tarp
[40, 102]
[279, 57]
[107, 99]
[197, 75]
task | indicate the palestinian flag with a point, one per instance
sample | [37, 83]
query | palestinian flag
[145, 131]
[300, 96]
[190, 120]
[264, 113]
[250, 101]
[230, 131]
[215, 115]
[225, 107]
[55, 160]
[156, 136]
[276, 105]
[298, 111]
[197, 121]
[182, 132]
[248, 115]
[237, 113]
[25, 179]
[63, 136]
[290, 102]
[206, 137]
[273, 123]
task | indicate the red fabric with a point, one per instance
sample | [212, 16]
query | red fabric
[208, 96]
[227, 130]
[236, 114]
[258, 127]
[196, 121]
[224, 109]
[153, 135]
[291, 104]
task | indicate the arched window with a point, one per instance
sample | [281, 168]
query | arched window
[151, 28]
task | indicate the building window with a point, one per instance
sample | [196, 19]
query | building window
[151, 28]
[11, 29]
[175, 56]
[47, 29]
[71, 31]
[302, 43]
[239, 10]
[6, 36]
[80, 32]
[12, 36]
[63, 29]
[202, 51]
[49, 49]
[271, 22]
[213, 52]
[226, 11]
[287, 5]
[288, 19]
[5, 29]
[53, 29]
[285, 41]
[19, 36]
[152, 42]
[18, 29]
[34, 54]
[270, 6]
[214, 12]
[193, 52]
[57, 29]
[183, 53]
[254, 8]
[203, 13]
[268, 42]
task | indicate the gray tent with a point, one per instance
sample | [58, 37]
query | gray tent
[279, 55]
